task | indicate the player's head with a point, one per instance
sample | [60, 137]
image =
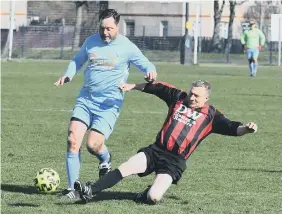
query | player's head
[199, 93]
[252, 24]
[109, 25]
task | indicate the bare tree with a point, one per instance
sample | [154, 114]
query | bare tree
[76, 37]
[232, 7]
[261, 13]
[216, 45]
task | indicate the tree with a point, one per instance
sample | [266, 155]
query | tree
[77, 29]
[261, 11]
[216, 45]
[232, 6]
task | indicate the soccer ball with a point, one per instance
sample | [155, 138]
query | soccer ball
[47, 180]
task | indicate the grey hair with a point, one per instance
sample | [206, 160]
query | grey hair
[202, 83]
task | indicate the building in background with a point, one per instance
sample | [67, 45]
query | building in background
[165, 19]
[20, 18]
[156, 27]
[20, 14]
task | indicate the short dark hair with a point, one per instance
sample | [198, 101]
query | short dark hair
[252, 22]
[109, 13]
[202, 83]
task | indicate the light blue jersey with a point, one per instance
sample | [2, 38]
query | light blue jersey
[108, 67]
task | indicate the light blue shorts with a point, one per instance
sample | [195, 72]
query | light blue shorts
[95, 116]
[252, 53]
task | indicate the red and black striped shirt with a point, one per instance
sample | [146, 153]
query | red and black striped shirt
[184, 127]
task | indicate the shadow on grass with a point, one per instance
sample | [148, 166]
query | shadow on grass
[22, 204]
[105, 196]
[174, 197]
[26, 189]
[258, 170]
[102, 196]
[19, 188]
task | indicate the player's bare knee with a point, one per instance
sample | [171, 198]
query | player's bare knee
[95, 146]
[126, 169]
[72, 143]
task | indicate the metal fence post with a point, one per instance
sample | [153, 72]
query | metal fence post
[228, 51]
[22, 40]
[62, 38]
[270, 52]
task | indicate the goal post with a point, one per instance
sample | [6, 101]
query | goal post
[12, 26]
[196, 32]
[276, 32]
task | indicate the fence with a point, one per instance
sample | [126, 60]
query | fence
[54, 40]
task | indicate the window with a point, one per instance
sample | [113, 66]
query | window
[223, 30]
[130, 28]
[164, 28]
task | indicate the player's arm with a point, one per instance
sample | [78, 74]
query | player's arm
[142, 63]
[74, 66]
[243, 36]
[261, 38]
[224, 126]
[243, 41]
[164, 91]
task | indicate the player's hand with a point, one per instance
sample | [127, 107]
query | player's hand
[245, 47]
[251, 127]
[126, 87]
[260, 47]
[62, 80]
[151, 76]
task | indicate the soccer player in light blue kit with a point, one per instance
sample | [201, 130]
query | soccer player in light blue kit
[109, 55]
[253, 40]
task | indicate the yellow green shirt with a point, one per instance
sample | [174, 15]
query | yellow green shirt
[253, 38]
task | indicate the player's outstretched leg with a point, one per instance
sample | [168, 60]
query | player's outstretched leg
[136, 164]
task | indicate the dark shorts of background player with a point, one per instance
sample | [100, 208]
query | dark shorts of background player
[162, 162]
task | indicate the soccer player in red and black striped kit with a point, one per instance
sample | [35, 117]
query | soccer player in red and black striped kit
[188, 122]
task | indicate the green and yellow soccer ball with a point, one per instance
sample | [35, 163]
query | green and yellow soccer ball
[47, 180]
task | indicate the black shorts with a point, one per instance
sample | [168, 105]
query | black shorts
[162, 162]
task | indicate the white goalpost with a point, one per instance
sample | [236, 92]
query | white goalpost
[196, 31]
[12, 25]
[276, 32]
[279, 40]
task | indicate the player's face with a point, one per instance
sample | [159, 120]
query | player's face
[198, 96]
[252, 25]
[108, 29]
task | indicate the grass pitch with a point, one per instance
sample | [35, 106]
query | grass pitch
[224, 174]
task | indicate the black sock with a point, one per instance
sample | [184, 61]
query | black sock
[107, 181]
[149, 201]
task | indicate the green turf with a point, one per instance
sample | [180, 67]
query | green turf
[224, 175]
